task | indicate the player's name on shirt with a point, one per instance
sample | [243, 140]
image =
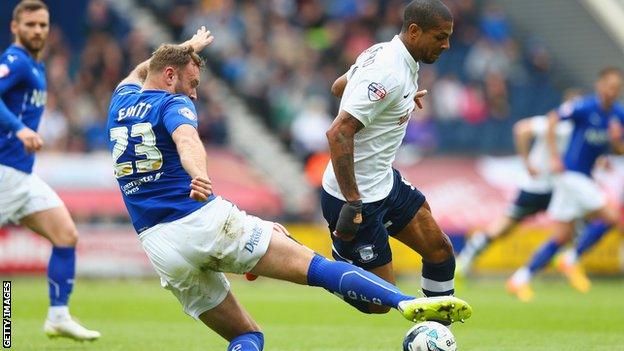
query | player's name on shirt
[139, 110]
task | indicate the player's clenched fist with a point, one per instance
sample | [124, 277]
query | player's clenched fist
[201, 189]
[349, 220]
[31, 139]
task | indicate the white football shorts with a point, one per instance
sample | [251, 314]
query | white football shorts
[574, 196]
[190, 253]
[22, 194]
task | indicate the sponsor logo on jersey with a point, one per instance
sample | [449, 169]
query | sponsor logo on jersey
[596, 137]
[376, 92]
[4, 70]
[366, 253]
[186, 112]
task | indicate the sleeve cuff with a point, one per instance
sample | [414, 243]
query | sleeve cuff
[359, 116]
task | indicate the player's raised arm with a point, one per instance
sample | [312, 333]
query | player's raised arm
[340, 137]
[198, 42]
[523, 135]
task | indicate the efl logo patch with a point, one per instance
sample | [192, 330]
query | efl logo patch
[4, 70]
[186, 112]
[376, 92]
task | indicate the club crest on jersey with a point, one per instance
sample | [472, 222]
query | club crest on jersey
[366, 253]
[376, 92]
[186, 112]
[4, 70]
[595, 119]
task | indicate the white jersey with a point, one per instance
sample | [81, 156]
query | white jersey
[539, 156]
[380, 94]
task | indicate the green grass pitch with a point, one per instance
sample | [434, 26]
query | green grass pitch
[139, 315]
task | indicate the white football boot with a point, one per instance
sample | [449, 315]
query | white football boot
[69, 328]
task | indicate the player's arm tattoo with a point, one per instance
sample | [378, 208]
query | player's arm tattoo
[340, 137]
[191, 150]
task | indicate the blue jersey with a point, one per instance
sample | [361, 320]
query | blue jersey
[590, 138]
[22, 100]
[154, 185]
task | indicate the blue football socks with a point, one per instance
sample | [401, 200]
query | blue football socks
[353, 283]
[593, 232]
[252, 341]
[543, 255]
[61, 272]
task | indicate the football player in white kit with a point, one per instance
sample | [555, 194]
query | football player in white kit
[364, 199]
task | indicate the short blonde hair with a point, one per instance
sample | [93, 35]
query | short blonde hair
[28, 6]
[173, 55]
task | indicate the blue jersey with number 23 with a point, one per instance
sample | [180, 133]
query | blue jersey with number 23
[154, 185]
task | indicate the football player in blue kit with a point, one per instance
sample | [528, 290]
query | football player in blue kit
[192, 236]
[25, 199]
[595, 119]
[534, 196]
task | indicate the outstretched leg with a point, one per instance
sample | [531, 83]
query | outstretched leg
[287, 260]
[519, 283]
[481, 240]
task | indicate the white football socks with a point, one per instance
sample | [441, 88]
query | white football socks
[58, 314]
[521, 276]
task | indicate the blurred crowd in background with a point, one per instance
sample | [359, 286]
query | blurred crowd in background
[281, 57]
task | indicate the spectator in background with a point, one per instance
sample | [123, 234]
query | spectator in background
[494, 24]
[276, 54]
[53, 128]
[309, 128]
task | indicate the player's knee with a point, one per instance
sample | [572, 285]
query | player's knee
[563, 237]
[65, 237]
[442, 251]
[611, 216]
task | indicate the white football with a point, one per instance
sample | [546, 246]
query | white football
[429, 336]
